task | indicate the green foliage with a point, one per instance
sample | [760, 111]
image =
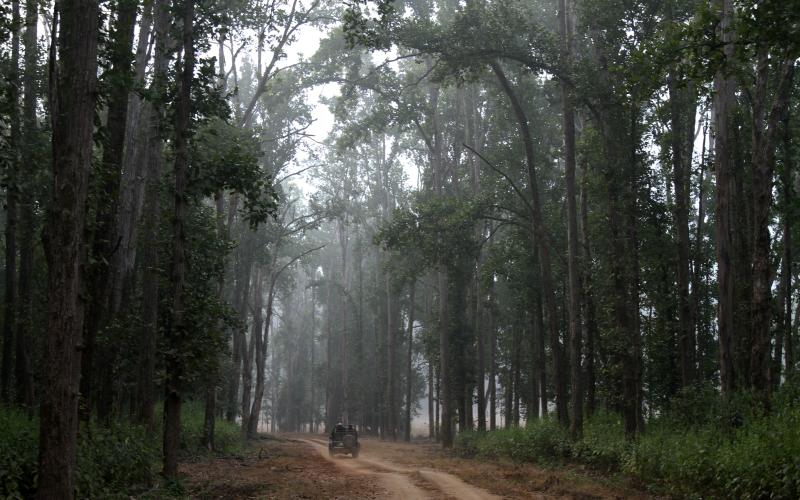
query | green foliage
[18, 438]
[440, 229]
[703, 447]
[759, 458]
[116, 459]
[227, 436]
[226, 157]
[541, 441]
[603, 443]
[111, 461]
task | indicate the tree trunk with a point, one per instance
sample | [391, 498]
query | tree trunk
[764, 131]
[480, 346]
[724, 96]
[391, 355]
[73, 125]
[175, 332]
[686, 334]
[588, 297]
[492, 365]
[23, 366]
[103, 244]
[409, 366]
[788, 198]
[541, 237]
[151, 212]
[576, 342]
[11, 210]
[250, 350]
[261, 361]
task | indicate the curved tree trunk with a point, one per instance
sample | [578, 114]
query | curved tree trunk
[541, 237]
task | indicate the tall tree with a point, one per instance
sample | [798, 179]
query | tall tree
[75, 86]
[176, 330]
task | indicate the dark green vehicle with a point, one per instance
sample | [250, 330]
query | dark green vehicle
[344, 441]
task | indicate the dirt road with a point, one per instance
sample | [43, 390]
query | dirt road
[403, 482]
[297, 466]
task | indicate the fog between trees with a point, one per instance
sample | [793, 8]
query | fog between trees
[523, 210]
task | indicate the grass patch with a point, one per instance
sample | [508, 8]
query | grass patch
[703, 447]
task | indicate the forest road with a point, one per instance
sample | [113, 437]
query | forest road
[403, 482]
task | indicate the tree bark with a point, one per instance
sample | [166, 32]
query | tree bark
[764, 131]
[788, 198]
[686, 335]
[250, 349]
[176, 330]
[10, 182]
[573, 270]
[723, 101]
[409, 366]
[151, 212]
[23, 365]
[73, 125]
[103, 246]
[588, 297]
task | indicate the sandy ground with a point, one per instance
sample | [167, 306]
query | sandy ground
[298, 466]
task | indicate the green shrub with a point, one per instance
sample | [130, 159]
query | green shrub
[541, 441]
[603, 443]
[18, 453]
[759, 460]
[115, 459]
[110, 460]
[227, 436]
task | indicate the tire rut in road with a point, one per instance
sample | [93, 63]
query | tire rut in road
[398, 480]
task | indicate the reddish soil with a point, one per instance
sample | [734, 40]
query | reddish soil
[298, 466]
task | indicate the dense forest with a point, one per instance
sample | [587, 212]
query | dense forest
[552, 231]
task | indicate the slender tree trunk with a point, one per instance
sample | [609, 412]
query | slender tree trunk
[541, 238]
[11, 210]
[480, 346]
[541, 361]
[788, 198]
[686, 334]
[533, 398]
[576, 342]
[175, 332]
[764, 131]
[103, 244]
[698, 315]
[73, 125]
[151, 212]
[241, 294]
[588, 297]
[23, 366]
[261, 361]
[249, 351]
[431, 421]
[409, 366]
[724, 97]
[492, 365]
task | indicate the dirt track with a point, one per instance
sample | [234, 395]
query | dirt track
[404, 482]
[298, 466]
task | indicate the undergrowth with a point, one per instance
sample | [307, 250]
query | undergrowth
[702, 447]
[117, 461]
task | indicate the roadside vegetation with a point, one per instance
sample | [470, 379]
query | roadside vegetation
[702, 447]
[116, 461]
